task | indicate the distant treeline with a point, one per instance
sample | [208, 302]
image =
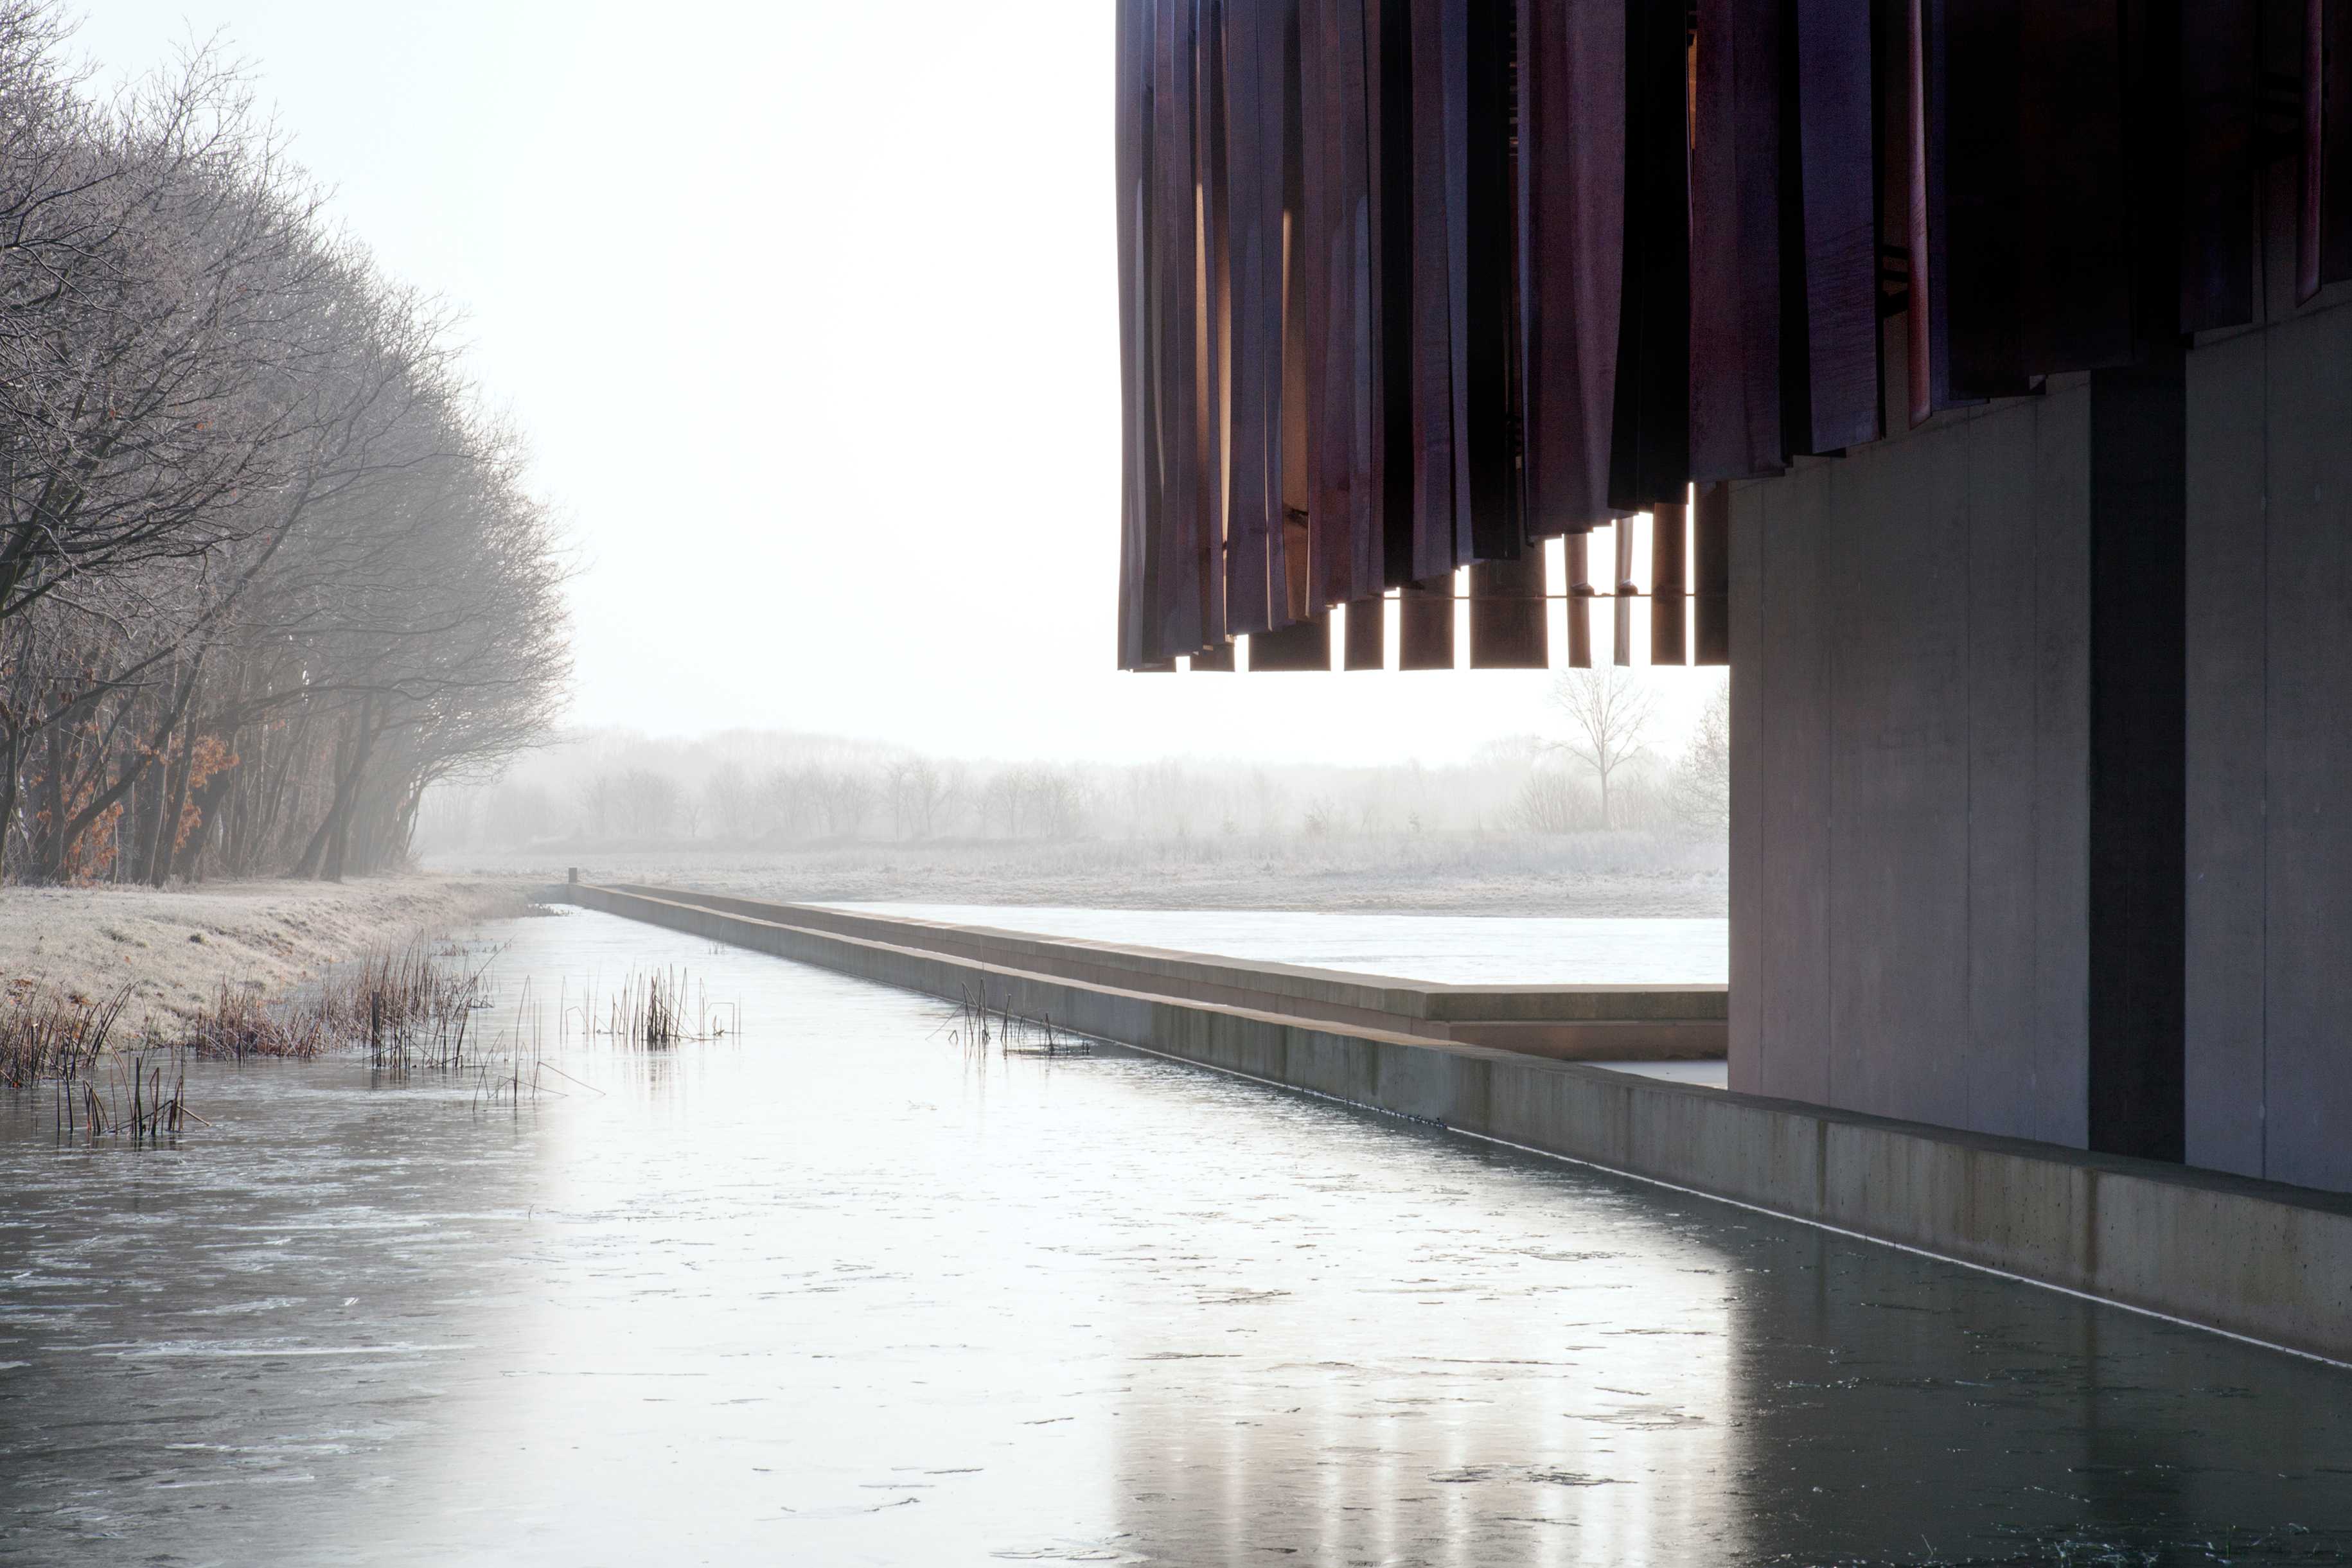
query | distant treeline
[770, 788]
[266, 572]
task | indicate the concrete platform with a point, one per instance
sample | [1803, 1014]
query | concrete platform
[2257, 1259]
[1570, 1023]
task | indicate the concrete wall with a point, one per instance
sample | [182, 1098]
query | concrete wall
[2269, 1000]
[1910, 776]
[1916, 875]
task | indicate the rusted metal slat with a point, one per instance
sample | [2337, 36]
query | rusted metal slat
[1301, 645]
[1363, 645]
[1178, 622]
[1735, 258]
[1977, 225]
[2075, 286]
[1836, 125]
[1577, 554]
[1669, 584]
[2220, 83]
[1507, 613]
[1253, 57]
[1650, 428]
[1339, 61]
[1139, 487]
[1711, 575]
[1571, 193]
[1425, 625]
[2335, 195]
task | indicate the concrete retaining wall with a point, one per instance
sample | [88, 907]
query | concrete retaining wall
[2270, 1263]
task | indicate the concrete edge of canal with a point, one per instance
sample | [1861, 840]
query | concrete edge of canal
[2259, 1260]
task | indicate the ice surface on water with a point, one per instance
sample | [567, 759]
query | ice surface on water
[1452, 950]
[837, 1291]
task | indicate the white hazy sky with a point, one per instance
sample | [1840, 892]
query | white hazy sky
[808, 307]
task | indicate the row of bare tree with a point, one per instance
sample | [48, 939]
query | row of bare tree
[1609, 758]
[266, 572]
[908, 797]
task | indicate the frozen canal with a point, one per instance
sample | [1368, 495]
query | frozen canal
[833, 1292]
[1450, 950]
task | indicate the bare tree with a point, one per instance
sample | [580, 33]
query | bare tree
[731, 803]
[1607, 712]
[1701, 787]
[265, 577]
[1550, 802]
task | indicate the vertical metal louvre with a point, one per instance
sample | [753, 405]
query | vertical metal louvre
[1408, 287]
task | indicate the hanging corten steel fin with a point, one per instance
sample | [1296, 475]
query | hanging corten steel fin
[2221, 84]
[1621, 644]
[1577, 554]
[1571, 167]
[1711, 575]
[2311, 190]
[1507, 613]
[1363, 643]
[1926, 326]
[1218, 658]
[1255, 59]
[1138, 491]
[1340, 47]
[1669, 584]
[1398, 122]
[1497, 400]
[1735, 252]
[1440, 289]
[1425, 625]
[1213, 331]
[1290, 563]
[1302, 645]
[2075, 286]
[1650, 428]
[2336, 142]
[1181, 626]
[1975, 238]
[1837, 240]
[1462, 421]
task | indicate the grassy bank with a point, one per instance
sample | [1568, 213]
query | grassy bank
[177, 948]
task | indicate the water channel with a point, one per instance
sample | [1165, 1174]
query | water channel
[838, 1289]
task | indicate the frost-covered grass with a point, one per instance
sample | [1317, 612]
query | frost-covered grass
[175, 949]
[1599, 873]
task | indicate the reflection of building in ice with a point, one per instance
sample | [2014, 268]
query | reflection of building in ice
[1877, 1396]
[1455, 1357]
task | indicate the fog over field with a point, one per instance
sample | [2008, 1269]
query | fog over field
[1519, 827]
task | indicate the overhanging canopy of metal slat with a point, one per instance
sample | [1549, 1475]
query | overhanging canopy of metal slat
[1407, 286]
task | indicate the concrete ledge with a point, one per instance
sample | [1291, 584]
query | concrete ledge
[1590, 1023]
[2266, 1261]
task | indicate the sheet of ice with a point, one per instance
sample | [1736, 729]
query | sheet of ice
[845, 1287]
[1451, 949]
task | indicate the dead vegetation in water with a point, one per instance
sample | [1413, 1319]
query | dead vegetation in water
[980, 1023]
[412, 1011]
[139, 1094]
[102, 1089]
[239, 1023]
[656, 1010]
[46, 1033]
[409, 1009]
